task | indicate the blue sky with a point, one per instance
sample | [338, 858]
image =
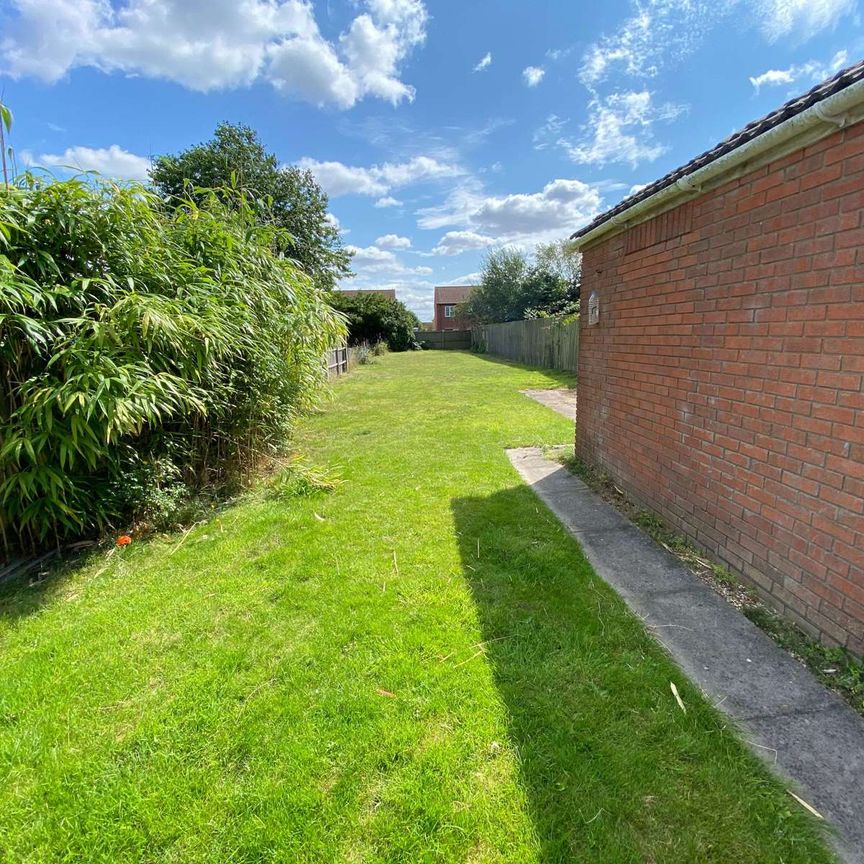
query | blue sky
[440, 129]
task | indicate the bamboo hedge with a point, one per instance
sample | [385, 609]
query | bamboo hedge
[146, 352]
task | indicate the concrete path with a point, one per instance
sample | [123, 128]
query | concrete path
[562, 401]
[803, 730]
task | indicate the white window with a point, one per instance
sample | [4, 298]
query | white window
[449, 311]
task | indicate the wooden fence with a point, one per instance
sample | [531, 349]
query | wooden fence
[447, 340]
[337, 361]
[540, 342]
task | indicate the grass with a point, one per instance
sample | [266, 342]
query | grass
[835, 667]
[400, 658]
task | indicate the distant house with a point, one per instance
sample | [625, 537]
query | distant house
[447, 298]
[387, 293]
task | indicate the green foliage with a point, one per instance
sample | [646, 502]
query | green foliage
[6, 117]
[236, 159]
[512, 287]
[420, 666]
[297, 479]
[835, 667]
[5, 129]
[142, 350]
[498, 297]
[359, 355]
[375, 319]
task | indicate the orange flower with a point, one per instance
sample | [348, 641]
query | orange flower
[124, 540]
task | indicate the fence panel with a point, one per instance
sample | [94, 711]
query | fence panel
[337, 361]
[541, 342]
[447, 340]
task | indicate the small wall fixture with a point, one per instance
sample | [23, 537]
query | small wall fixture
[593, 309]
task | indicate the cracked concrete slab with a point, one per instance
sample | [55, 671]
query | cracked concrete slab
[802, 729]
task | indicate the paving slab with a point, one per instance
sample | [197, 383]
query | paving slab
[803, 730]
[561, 400]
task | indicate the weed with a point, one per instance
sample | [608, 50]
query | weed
[835, 667]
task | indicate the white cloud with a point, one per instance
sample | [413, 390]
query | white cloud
[333, 219]
[457, 242]
[812, 70]
[801, 19]
[339, 179]
[416, 170]
[560, 204]
[467, 279]
[660, 33]
[369, 260]
[217, 44]
[773, 77]
[393, 241]
[550, 133]
[620, 130]
[518, 219]
[311, 70]
[377, 180]
[388, 201]
[381, 268]
[485, 63]
[658, 30]
[111, 161]
[533, 75]
[416, 294]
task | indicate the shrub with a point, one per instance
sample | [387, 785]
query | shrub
[373, 319]
[141, 350]
[359, 355]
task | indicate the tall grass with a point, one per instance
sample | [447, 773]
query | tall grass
[140, 349]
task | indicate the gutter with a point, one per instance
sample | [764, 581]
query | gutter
[834, 110]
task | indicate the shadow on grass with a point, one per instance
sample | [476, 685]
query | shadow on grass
[559, 376]
[522, 589]
[26, 592]
[613, 771]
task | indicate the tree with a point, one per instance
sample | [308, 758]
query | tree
[373, 318]
[512, 288]
[562, 259]
[498, 296]
[289, 196]
[553, 285]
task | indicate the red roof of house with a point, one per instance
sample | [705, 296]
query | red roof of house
[452, 293]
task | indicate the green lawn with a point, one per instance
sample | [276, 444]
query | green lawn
[419, 666]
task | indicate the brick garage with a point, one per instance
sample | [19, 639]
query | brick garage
[721, 385]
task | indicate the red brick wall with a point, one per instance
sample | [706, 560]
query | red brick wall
[722, 386]
[442, 322]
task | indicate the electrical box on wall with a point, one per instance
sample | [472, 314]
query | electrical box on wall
[593, 308]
